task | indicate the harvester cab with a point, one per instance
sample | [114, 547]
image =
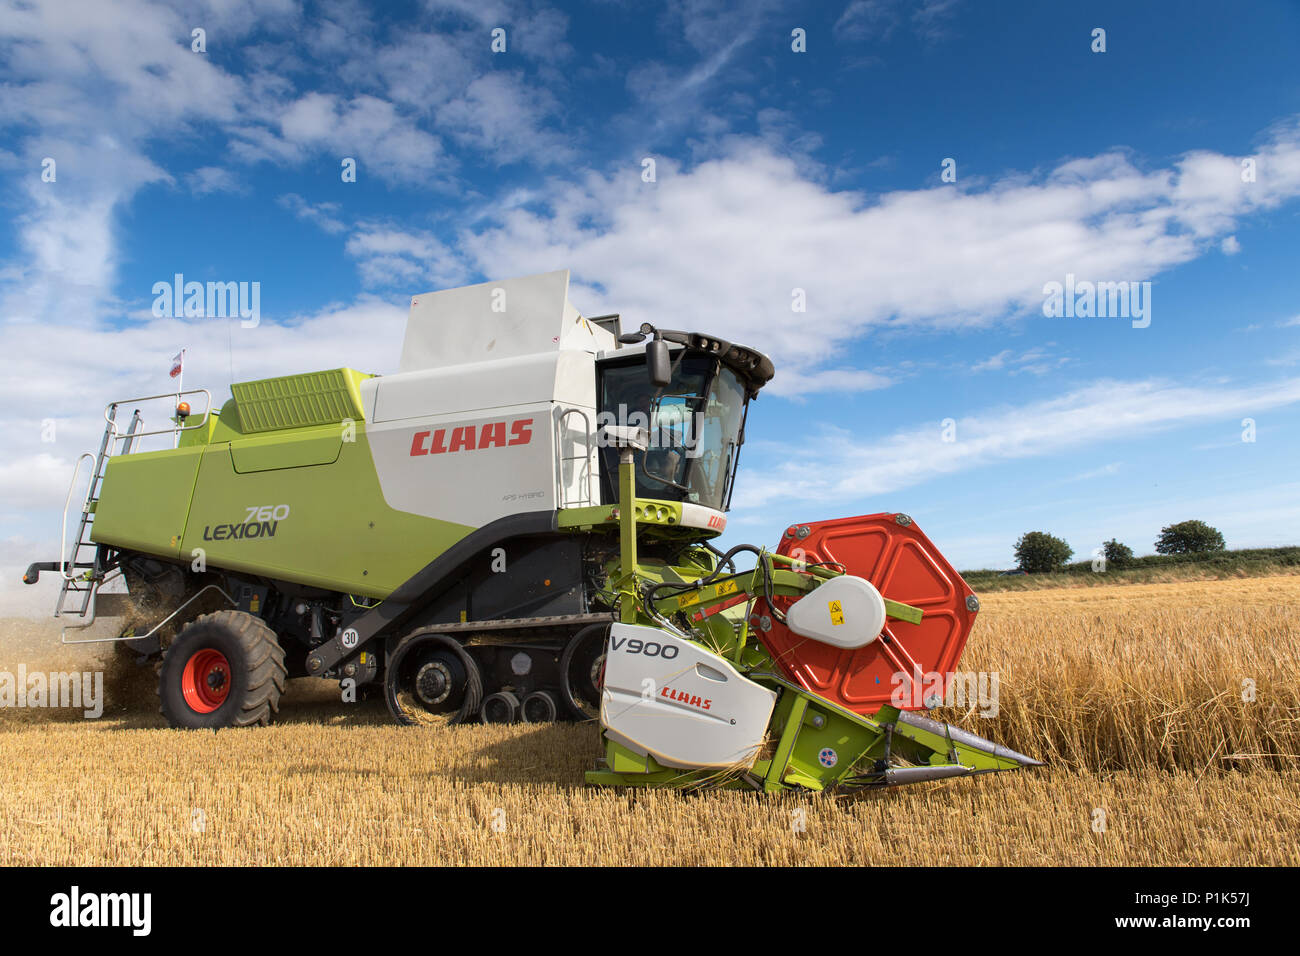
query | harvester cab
[517, 526]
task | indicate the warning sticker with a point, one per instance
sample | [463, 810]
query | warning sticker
[837, 612]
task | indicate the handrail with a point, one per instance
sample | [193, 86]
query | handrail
[67, 502]
[562, 490]
[139, 637]
[87, 585]
[110, 412]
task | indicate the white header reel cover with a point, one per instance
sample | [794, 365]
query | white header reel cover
[845, 611]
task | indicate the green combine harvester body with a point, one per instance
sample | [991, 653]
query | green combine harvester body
[516, 526]
[297, 445]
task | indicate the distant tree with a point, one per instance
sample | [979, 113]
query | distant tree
[1189, 537]
[1117, 555]
[1038, 551]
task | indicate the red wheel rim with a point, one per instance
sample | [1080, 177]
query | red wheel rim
[205, 682]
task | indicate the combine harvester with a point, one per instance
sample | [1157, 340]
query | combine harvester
[516, 526]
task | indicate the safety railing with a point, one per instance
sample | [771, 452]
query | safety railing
[586, 472]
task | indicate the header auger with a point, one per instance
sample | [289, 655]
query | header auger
[517, 525]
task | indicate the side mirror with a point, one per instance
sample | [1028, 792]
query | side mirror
[661, 373]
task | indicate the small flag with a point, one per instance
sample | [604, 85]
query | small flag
[176, 364]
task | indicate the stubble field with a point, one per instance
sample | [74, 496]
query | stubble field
[1168, 715]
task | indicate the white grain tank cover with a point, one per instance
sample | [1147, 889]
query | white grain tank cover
[496, 320]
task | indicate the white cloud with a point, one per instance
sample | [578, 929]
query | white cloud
[994, 362]
[536, 33]
[868, 20]
[235, 18]
[722, 245]
[382, 138]
[413, 261]
[675, 99]
[213, 179]
[323, 214]
[1105, 471]
[99, 86]
[719, 245]
[65, 233]
[117, 364]
[860, 466]
[502, 114]
[85, 84]
[797, 385]
[1230, 246]
[1036, 361]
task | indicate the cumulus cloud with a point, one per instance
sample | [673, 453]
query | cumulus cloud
[96, 86]
[724, 245]
[389, 257]
[503, 115]
[375, 132]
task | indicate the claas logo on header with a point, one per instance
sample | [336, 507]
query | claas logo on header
[472, 437]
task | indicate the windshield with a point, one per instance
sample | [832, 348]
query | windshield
[694, 431]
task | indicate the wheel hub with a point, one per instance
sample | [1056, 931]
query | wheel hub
[433, 682]
[205, 681]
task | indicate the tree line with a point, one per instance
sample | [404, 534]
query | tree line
[1038, 552]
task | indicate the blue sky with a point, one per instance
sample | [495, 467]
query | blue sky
[775, 170]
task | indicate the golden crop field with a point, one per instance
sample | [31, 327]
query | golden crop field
[1168, 714]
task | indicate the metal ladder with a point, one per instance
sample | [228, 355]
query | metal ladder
[81, 571]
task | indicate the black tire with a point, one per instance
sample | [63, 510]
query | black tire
[245, 687]
[398, 672]
[581, 654]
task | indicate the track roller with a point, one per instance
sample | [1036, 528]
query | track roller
[539, 708]
[500, 708]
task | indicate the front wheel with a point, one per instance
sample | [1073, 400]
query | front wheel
[224, 669]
